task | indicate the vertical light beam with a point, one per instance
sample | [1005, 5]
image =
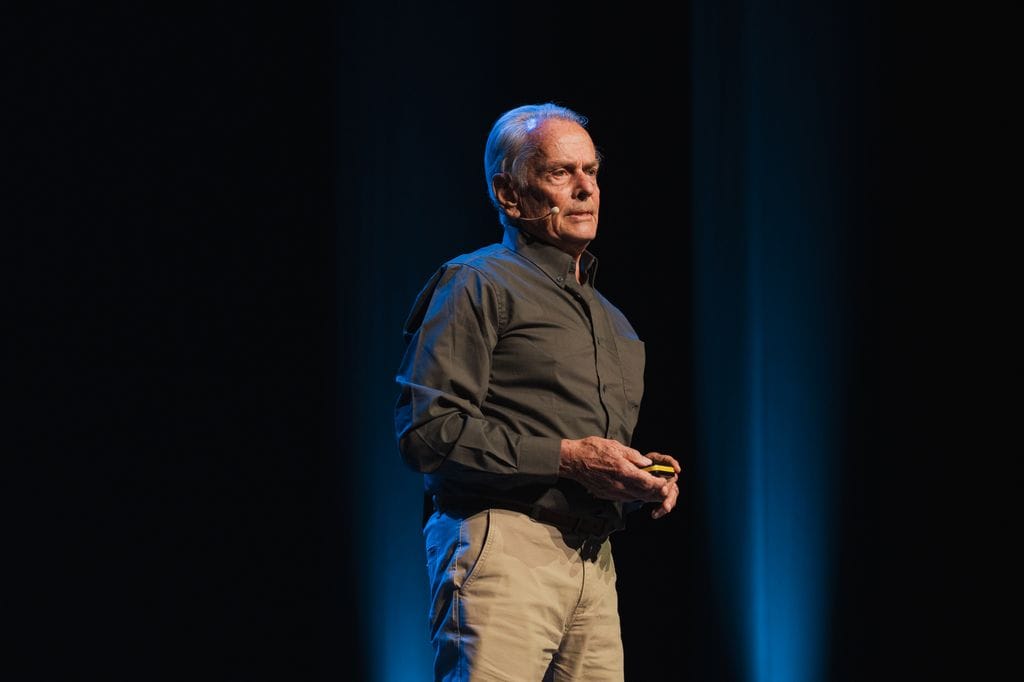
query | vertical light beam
[769, 217]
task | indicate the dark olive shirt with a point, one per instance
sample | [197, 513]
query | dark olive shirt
[507, 355]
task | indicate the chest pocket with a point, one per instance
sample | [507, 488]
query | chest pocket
[632, 358]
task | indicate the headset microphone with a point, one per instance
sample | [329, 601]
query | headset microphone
[554, 211]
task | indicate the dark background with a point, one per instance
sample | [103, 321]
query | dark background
[183, 267]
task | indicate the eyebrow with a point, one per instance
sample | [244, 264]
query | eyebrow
[563, 163]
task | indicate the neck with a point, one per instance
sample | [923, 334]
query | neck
[574, 249]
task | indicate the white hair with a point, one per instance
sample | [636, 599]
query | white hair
[510, 144]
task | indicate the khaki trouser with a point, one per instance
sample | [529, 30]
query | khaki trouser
[515, 599]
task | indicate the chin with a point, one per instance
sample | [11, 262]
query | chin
[581, 233]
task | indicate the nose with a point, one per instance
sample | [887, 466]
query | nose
[586, 185]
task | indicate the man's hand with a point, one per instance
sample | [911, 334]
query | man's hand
[611, 471]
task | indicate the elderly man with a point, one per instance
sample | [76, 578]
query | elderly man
[520, 390]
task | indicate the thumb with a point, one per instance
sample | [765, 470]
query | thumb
[638, 459]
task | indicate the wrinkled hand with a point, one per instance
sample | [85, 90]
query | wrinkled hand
[611, 471]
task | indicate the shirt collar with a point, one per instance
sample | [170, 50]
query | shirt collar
[556, 264]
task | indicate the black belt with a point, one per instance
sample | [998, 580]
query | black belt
[570, 523]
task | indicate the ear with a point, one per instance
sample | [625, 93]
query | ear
[506, 194]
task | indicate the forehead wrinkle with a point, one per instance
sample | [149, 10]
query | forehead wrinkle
[563, 159]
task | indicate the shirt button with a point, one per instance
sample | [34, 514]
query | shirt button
[561, 279]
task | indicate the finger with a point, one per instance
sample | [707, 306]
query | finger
[670, 501]
[668, 504]
[662, 458]
[643, 486]
[636, 458]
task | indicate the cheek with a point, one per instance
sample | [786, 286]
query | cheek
[546, 196]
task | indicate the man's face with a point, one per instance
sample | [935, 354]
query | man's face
[563, 174]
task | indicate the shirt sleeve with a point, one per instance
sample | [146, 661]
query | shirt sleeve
[443, 378]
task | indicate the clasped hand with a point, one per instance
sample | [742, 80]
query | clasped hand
[611, 471]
